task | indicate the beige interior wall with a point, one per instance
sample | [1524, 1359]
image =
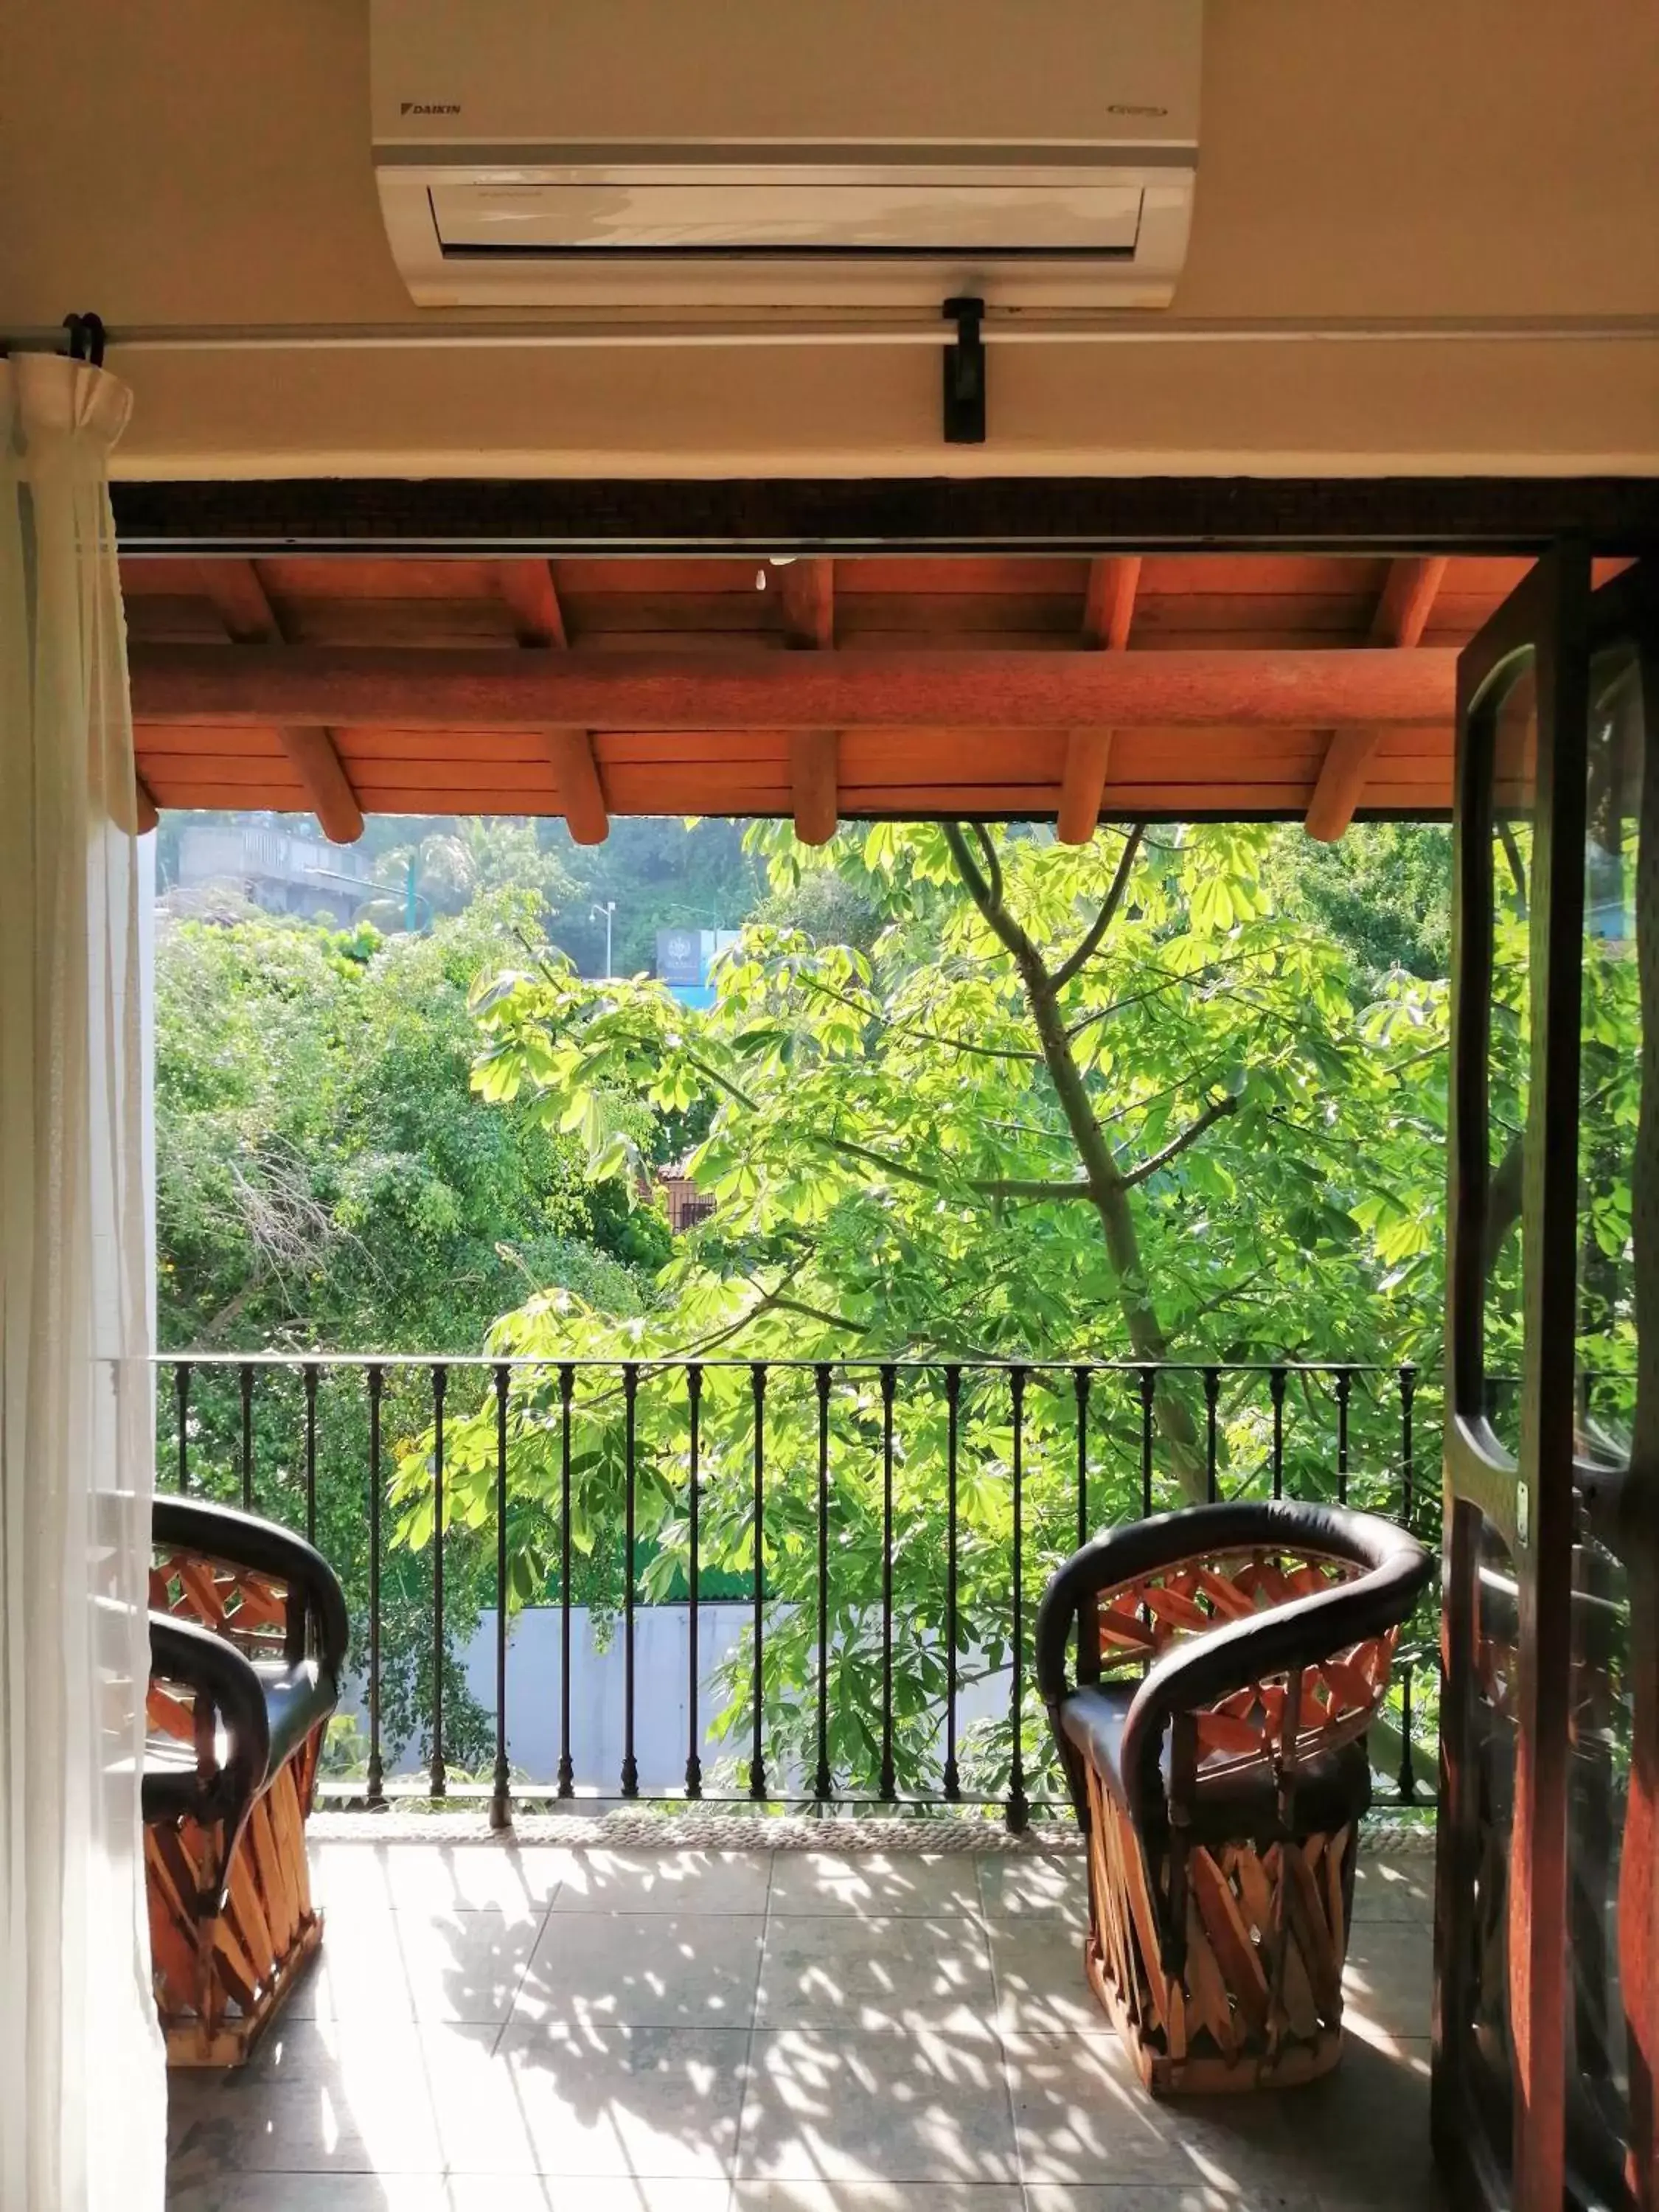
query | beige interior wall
[206, 163]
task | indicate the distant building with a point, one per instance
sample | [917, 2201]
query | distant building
[282, 873]
[685, 958]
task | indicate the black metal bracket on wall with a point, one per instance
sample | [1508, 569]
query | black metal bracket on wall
[964, 374]
[86, 339]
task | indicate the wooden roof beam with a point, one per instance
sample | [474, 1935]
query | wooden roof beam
[815, 784]
[806, 593]
[244, 607]
[1083, 785]
[1108, 609]
[532, 599]
[412, 688]
[581, 795]
[1109, 602]
[1402, 613]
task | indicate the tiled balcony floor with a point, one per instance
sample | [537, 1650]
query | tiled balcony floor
[495, 2030]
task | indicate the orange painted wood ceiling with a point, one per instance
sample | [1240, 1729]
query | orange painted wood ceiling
[689, 681]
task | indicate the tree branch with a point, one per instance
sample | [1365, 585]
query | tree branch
[909, 1029]
[1102, 922]
[1218, 1111]
[987, 897]
[1015, 1188]
[987, 845]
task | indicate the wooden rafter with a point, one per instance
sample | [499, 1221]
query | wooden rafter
[1083, 785]
[532, 599]
[1402, 613]
[581, 795]
[814, 785]
[415, 689]
[1109, 602]
[244, 606]
[807, 594]
[1108, 610]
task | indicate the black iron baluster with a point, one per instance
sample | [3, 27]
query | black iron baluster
[376, 1793]
[567, 1771]
[953, 1406]
[1080, 1387]
[823, 1783]
[1211, 1398]
[1407, 1782]
[757, 1384]
[1276, 1382]
[247, 1437]
[440, 1387]
[311, 1450]
[1148, 1391]
[693, 1739]
[181, 1392]
[1344, 1391]
[1016, 1811]
[630, 1771]
[500, 1800]
[888, 1785]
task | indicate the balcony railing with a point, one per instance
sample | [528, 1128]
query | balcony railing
[886, 1527]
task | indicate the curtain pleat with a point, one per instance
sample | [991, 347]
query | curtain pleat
[82, 2088]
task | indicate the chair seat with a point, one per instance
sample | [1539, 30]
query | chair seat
[1332, 1788]
[297, 1695]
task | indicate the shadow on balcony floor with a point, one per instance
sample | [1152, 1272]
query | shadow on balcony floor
[494, 2030]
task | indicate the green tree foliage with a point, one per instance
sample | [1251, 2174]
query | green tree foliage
[1121, 1102]
[327, 1180]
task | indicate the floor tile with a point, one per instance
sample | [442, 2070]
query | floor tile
[1394, 1889]
[645, 1969]
[1364, 2130]
[873, 1886]
[1040, 1988]
[837, 1972]
[876, 2197]
[611, 2101]
[1082, 2117]
[1388, 1982]
[359, 2117]
[381, 1965]
[665, 1882]
[437, 1877]
[828, 2105]
[547, 2192]
[1033, 1889]
[627, 2079]
[316, 2192]
[1167, 2196]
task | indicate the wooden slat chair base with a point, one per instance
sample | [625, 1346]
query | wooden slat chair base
[1258, 2002]
[247, 1639]
[221, 1975]
[1221, 1776]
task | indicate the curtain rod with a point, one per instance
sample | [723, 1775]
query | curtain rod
[1010, 327]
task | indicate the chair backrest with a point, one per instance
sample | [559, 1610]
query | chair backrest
[1331, 1700]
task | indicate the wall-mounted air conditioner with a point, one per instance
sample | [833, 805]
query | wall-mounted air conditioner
[753, 155]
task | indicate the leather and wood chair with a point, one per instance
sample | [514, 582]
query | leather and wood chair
[1229, 1659]
[247, 1640]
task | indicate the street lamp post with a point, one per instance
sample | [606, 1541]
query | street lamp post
[608, 909]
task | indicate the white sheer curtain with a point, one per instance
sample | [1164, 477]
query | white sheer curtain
[83, 2089]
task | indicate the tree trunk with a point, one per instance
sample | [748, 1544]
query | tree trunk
[1107, 1189]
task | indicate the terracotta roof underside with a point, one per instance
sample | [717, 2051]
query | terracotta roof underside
[1230, 685]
